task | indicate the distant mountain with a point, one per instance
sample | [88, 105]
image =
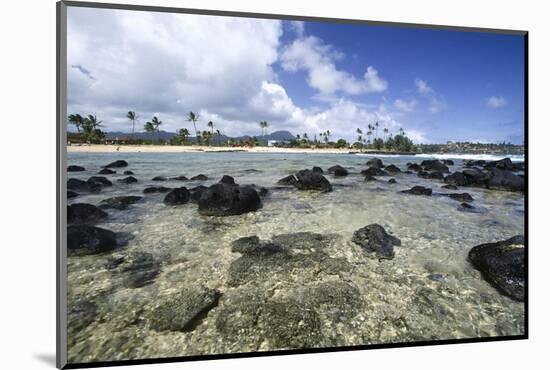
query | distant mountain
[164, 135]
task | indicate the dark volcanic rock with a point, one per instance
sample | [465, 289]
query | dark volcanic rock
[457, 179]
[309, 180]
[252, 246]
[128, 173]
[106, 171]
[448, 162]
[159, 178]
[156, 189]
[503, 164]
[317, 169]
[450, 187]
[502, 264]
[226, 179]
[117, 164]
[414, 167]
[392, 181]
[75, 168]
[374, 239]
[505, 180]
[461, 197]
[228, 200]
[200, 177]
[84, 239]
[434, 165]
[373, 171]
[81, 185]
[71, 194]
[128, 180]
[423, 174]
[376, 163]
[196, 192]
[119, 203]
[369, 178]
[180, 178]
[99, 181]
[465, 207]
[140, 269]
[418, 190]
[83, 213]
[289, 180]
[337, 170]
[177, 196]
[476, 177]
[393, 169]
[437, 175]
[185, 310]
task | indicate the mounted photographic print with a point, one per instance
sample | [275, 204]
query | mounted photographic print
[235, 184]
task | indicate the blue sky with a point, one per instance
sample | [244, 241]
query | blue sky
[299, 76]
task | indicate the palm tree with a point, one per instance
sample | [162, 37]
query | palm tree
[184, 133]
[305, 137]
[359, 133]
[77, 120]
[192, 117]
[156, 123]
[376, 125]
[211, 125]
[263, 125]
[132, 116]
[149, 127]
[328, 135]
[219, 136]
[385, 132]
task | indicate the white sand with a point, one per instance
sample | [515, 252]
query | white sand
[99, 148]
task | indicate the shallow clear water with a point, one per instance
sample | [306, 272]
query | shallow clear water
[428, 291]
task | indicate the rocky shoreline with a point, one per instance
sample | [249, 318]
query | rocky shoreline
[294, 290]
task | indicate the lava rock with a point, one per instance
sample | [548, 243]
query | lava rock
[392, 181]
[75, 168]
[226, 179]
[436, 175]
[414, 167]
[476, 177]
[117, 164]
[71, 194]
[448, 162]
[502, 264]
[309, 180]
[84, 213]
[81, 185]
[177, 196]
[180, 178]
[140, 269]
[373, 171]
[196, 193]
[185, 310]
[434, 165]
[99, 181]
[450, 187]
[317, 169]
[288, 180]
[128, 173]
[158, 178]
[376, 163]
[200, 177]
[128, 180]
[85, 239]
[338, 171]
[461, 197]
[156, 189]
[369, 178]
[106, 171]
[505, 180]
[457, 179]
[393, 169]
[418, 190]
[376, 241]
[227, 200]
[120, 203]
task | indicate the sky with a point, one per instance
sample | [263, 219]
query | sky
[304, 77]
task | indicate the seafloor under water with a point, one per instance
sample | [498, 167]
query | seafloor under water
[326, 291]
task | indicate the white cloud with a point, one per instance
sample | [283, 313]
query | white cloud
[496, 102]
[318, 59]
[405, 105]
[436, 102]
[298, 27]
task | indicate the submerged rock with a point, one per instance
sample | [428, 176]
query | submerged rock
[392, 181]
[128, 173]
[461, 197]
[120, 203]
[156, 189]
[456, 179]
[140, 269]
[71, 194]
[185, 310]
[106, 171]
[84, 213]
[375, 163]
[502, 264]
[375, 240]
[309, 180]
[226, 179]
[100, 181]
[434, 165]
[177, 196]
[200, 177]
[117, 164]
[373, 171]
[128, 180]
[450, 187]
[81, 185]
[75, 168]
[158, 178]
[337, 171]
[180, 178]
[84, 239]
[465, 207]
[414, 167]
[227, 200]
[418, 190]
[393, 169]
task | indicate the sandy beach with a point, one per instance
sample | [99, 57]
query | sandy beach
[100, 148]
